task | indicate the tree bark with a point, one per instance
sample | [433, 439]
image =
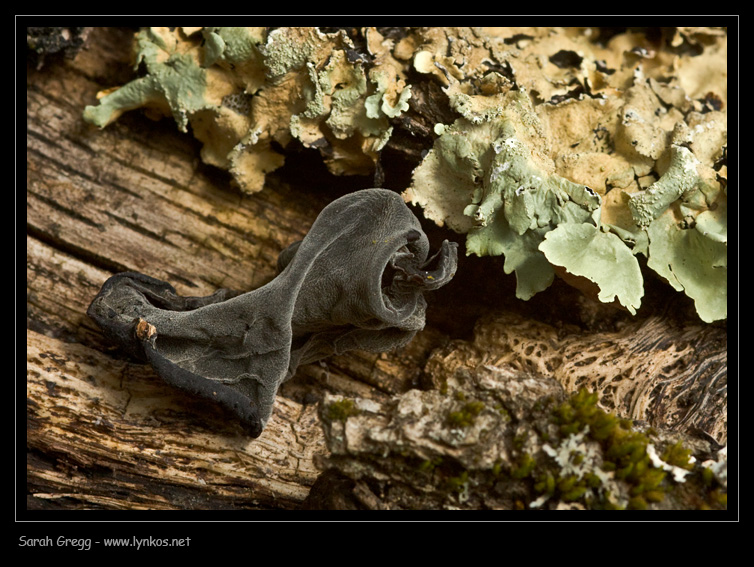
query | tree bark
[103, 432]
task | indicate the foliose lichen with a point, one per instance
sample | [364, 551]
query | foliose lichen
[580, 183]
[296, 83]
[572, 151]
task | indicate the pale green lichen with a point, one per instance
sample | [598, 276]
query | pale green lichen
[571, 166]
[174, 79]
[487, 176]
[685, 218]
[347, 86]
[289, 50]
[693, 262]
[379, 105]
[585, 250]
[145, 92]
[509, 199]
[235, 46]
[679, 178]
[644, 132]
[295, 83]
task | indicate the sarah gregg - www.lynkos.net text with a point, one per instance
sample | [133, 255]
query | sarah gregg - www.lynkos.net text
[85, 544]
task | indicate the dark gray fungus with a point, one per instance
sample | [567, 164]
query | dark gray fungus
[356, 281]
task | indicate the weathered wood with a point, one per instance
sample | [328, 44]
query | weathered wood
[126, 198]
[125, 441]
[104, 432]
[137, 199]
[671, 375]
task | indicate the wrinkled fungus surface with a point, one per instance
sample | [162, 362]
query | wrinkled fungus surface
[356, 281]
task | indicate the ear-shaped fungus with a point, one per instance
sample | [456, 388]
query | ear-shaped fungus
[356, 281]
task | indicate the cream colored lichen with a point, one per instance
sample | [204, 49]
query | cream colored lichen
[600, 112]
[295, 83]
[610, 117]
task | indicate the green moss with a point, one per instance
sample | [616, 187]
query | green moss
[466, 416]
[654, 495]
[574, 494]
[458, 483]
[708, 476]
[641, 484]
[497, 468]
[545, 484]
[624, 452]
[341, 410]
[678, 456]
[524, 468]
[637, 503]
[592, 480]
[719, 498]
[567, 483]
[519, 440]
[429, 465]
[715, 493]
[502, 411]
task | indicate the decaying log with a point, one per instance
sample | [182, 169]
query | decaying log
[104, 433]
[669, 375]
[135, 197]
[499, 438]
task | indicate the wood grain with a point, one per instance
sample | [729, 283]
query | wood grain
[106, 433]
[103, 432]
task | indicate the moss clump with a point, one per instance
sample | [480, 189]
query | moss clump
[525, 467]
[624, 450]
[628, 454]
[678, 456]
[466, 416]
[341, 410]
[597, 461]
[458, 484]
[545, 484]
[429, 465]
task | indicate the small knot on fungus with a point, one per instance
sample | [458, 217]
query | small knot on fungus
[144, 330]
